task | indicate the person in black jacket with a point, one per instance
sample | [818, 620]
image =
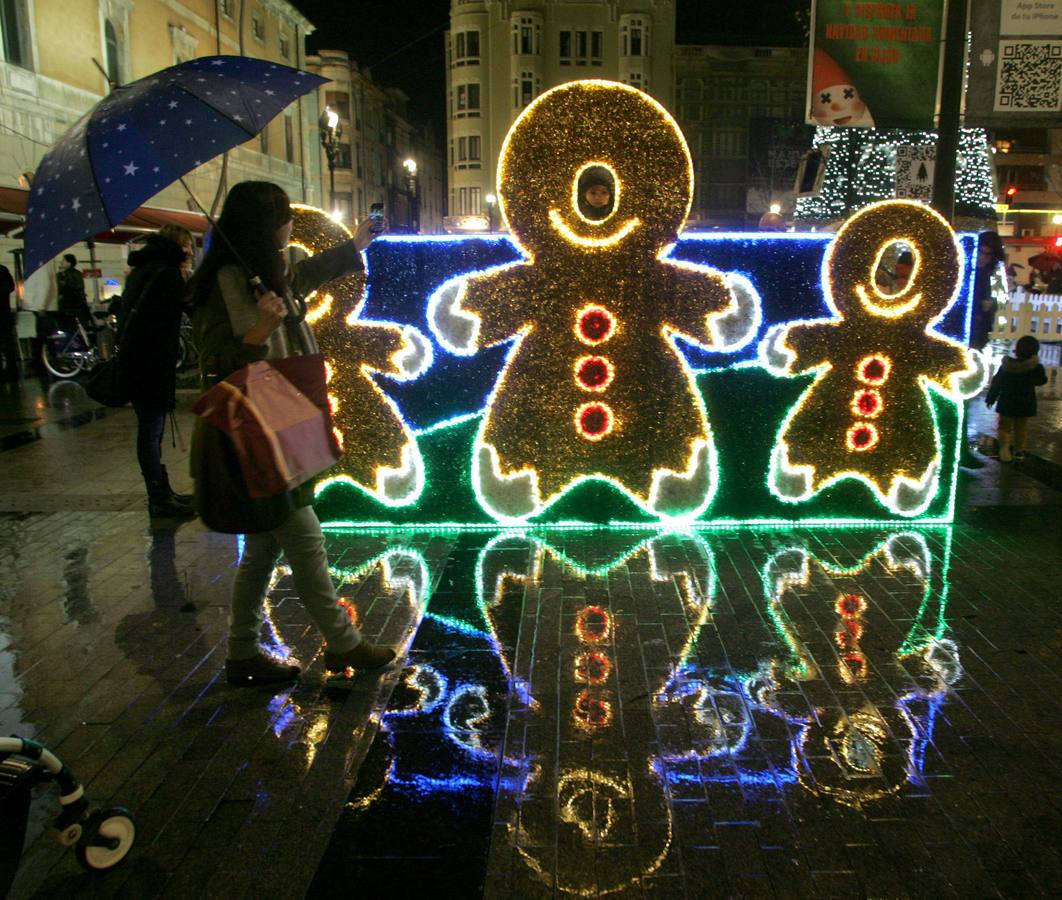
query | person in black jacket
[1014, 386]
[148, 346]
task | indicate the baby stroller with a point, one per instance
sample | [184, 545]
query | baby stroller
[101, 837]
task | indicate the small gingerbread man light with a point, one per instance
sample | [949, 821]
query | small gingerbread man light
[380, 454]
[868, 414]
[594, 386]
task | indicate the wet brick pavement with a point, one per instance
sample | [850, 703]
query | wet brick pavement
[583, 713]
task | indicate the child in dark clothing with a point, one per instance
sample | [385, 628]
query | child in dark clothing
[1014, 386]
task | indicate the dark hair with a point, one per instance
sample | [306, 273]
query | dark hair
[1026, 347]
[252, 213]
[70, 258]
[596, 176]
[905, 259]
[994, 242]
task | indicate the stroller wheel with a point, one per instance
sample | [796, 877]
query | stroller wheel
[106, 838]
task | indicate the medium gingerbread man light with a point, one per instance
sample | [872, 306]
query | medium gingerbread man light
[594, 386]
[380, 453]
[868, 414]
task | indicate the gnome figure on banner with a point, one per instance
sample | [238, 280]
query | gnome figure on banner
[835, 99]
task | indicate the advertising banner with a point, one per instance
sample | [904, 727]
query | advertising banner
[1015, 71]
[874, 64]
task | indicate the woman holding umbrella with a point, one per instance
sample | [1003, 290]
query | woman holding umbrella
[236, 325]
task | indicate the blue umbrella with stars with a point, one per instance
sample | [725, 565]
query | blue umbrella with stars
[144, 136]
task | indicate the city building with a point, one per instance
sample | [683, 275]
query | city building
[501, 55]
[741, 109]
[380, 156]
[60, 58]
[1028, 168]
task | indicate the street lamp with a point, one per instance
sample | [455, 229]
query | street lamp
[410, 165]
[491, 201]
[331, 131]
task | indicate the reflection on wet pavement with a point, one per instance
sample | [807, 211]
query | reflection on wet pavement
[582, 712]
[686, 714]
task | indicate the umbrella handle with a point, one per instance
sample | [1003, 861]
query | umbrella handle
[295, 316]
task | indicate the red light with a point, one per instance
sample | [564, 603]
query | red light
[1058, 242]
[1011, 191]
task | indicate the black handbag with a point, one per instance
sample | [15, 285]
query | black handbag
[105, 384]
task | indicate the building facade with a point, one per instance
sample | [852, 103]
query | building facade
[49, 77]
[730, 102]
[1028, 161]
[382, 157]
[500, 55]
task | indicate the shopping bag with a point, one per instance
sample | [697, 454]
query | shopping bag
[276, 414]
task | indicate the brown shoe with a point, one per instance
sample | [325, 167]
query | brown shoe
[364, 656]
[260, 669]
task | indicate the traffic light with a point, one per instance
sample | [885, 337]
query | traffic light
[1009, 194]
[1058, 243]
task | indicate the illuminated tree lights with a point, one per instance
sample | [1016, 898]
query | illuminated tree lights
[861, 169]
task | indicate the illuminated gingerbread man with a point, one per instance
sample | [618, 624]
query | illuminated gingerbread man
[594, 386]
[868, 414]
[380, 453]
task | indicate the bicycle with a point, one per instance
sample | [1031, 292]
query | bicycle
[187, 352]
[67, 352]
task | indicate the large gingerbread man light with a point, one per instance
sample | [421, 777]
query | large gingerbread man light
[868, 414]
[594, 386]
[380, 453]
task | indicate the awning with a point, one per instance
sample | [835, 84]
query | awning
[140, 221]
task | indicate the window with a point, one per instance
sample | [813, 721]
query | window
[1014, 324]
[289, 138]
[257, 28]
[339, 102]
[1034, 323]
[263, 140]
[184, 44]
[466, 48]
[636, 40]
[638, 80]
[525, 37]
[358, 164]
[15, 24]
[473, 200]
[524, 89]
[225, 7]
[342, 156]
[342, 203]
[285, 46]
[467, 100]
[1047, 326]
[473, 147]
[565, 48]
[114, 60]
[1058, 325]
[582, 47]
[462, 201]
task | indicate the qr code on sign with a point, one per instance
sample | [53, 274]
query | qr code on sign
[1029, 77]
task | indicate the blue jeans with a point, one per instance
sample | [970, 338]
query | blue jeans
[150, 424]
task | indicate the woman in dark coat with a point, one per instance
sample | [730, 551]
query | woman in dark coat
[148, 346]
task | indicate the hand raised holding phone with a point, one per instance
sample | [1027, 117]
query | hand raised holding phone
[372, 225]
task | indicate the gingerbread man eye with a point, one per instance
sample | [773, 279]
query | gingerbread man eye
[824, 97]
[849, 93]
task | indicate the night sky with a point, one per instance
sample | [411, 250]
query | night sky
[401, 41]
